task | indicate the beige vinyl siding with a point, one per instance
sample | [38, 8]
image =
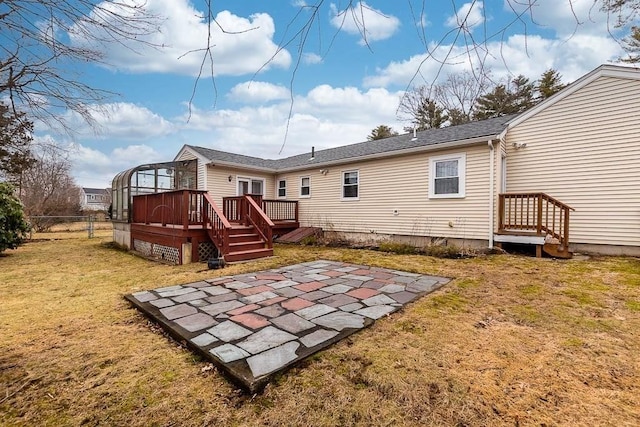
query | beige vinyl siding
[402, 184]
[585, 151]
[219, 186]
[202, 167]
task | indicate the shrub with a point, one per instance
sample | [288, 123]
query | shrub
[397, 248]
[13, 227]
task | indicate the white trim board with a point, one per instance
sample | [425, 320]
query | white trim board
[510, 238]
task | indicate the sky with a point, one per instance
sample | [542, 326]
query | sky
[273, 94]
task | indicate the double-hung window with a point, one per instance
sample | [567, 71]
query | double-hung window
[282, 189]
[305, 186]
[350, 185]
[447, 176]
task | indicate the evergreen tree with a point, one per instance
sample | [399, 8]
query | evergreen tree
[381, 132]
[496, 103]
[458, 117]
[550, 83]
[13, 227]
[523, 93]
[632, 45]
[504, 100]
[429, 115]
[15, 143]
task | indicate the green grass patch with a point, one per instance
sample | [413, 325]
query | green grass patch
[448, 301]
[581, 297]
[531, 290]
[527, 315]
[632, 305]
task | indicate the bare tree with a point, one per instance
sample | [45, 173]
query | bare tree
[47, 188]
[39, 51]
[459, 92]
[421, 110]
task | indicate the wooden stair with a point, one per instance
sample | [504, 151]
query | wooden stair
[536, 219]
[554, 248]
[246, 244]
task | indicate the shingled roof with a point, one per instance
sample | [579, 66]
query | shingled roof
[490, 128]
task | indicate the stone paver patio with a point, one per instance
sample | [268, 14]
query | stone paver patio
[257, 324]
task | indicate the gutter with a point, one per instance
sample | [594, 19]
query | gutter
[491, 192]
[374, 156]
[387, 154]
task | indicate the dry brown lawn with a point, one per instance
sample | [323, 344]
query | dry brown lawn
[511, 341]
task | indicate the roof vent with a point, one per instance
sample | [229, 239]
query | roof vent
[415, 134]
[313, 153]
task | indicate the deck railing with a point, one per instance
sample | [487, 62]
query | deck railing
[178, 207]
[217, 225]
[233, 208]
[534, 212]
[260, 220]
[281, 210]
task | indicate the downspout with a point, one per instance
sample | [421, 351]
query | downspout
[491, 197]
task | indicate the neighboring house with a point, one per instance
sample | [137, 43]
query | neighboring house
[568, 168]
[95, 199]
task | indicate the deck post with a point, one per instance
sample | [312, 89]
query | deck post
[539, 217]
[500, 212]
[147, 217]
[185, 208]
[163, 204]
[565, 236]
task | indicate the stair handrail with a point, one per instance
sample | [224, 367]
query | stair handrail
[220, 226]
[557, 226]
[260, 220]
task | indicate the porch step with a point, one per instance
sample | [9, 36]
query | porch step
[245, 246]
[247, 237]
[557, 251]
[240, 229]
[245, 255]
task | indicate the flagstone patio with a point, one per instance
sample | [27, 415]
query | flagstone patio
[255, 325]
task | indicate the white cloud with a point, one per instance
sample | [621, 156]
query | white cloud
[468, 16]
[95, 168]
[245, 45]
[324, 117]
[519, 54]
[121, 120]
[565, 18]
[253, 91]
[311, 58]
[364, 21]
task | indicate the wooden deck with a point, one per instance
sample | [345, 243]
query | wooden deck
[241, 230]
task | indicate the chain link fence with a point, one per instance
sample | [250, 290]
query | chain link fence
[68, 223]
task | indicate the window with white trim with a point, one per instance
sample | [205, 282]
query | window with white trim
[350, 184]
[305, 186]
[282, 188]
[447, 176]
